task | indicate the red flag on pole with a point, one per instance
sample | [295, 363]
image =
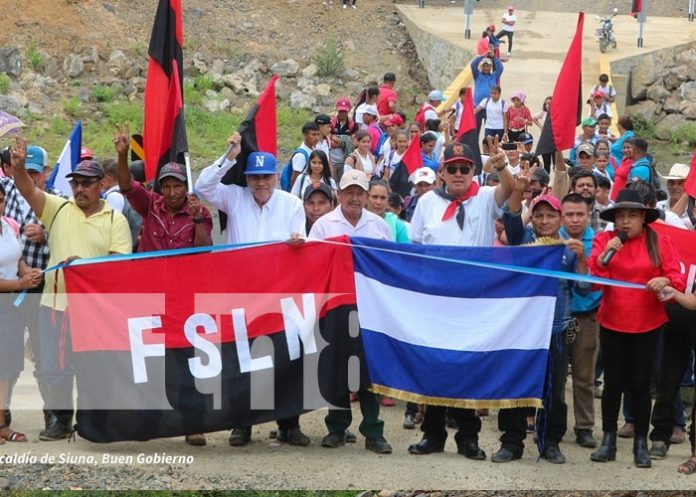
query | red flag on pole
[413, 158]
[690, 184]
[467, 133]
[164, 131]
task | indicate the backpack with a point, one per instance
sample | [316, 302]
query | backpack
[352, 127]
[382, 138]
[133, 218]
[419, 119]
[286, 172]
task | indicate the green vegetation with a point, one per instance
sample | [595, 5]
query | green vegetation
[686, 133]
[329, 59]
[73, 107]
[103, 93]
[644, 128]
[4, 83]
[190, 493]
[203, 83]
[33, 56]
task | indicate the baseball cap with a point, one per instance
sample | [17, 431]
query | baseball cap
[525, 138]
[322, 119]
[36, 158]
[371, 110]
[451, 156]
[422, 175]
[436, 96]
[491, 27]
[86, 153]
[541, 176]
[677, 172]
[549, 199]
[588, 121]
[587, 148]
[172, 170]
[318, 187]
[598, 94]
[343, 104]
[390, 76]
[394, 120]
[355, 177]
[88, 168]
[260, 163]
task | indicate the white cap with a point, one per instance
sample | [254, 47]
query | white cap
[422, 174]
[436, 96]
[677, 172]
[355, 177]
[371, 109]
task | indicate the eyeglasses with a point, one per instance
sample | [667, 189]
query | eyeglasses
[85, 183]
[452, 169]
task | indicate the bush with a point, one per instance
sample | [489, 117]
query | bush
[642, 127]
[34, 56]
[72, 107]
[329, 59]
[5, 82]
[103, 93]
[203, 83]
[686, 133]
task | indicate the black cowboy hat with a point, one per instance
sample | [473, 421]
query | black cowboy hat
[630, 199]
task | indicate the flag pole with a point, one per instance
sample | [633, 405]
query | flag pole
[189, 179]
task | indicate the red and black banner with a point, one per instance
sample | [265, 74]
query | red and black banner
[467, 132]
[164, 129]
[412, 160]
[169, 346]
[565, 111]
[685, 242]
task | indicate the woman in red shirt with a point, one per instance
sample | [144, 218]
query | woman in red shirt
[631, 320]
[519, 116]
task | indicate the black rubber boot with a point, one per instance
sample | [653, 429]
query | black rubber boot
[607, 450]
[641, 456]
[57, 425]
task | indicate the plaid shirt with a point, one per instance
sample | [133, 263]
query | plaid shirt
[16, 207]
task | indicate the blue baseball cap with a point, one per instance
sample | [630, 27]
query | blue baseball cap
[36, 159]
[260, 163]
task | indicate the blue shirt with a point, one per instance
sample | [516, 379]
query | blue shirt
[590, 301]
[617, 147]
[430, 162]
[484, 82]
[641, 169]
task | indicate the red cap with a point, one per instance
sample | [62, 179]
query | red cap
[549, 199]
[598, 94]
[491, 27]
[394, 120]
[343, 104]
[86, 153]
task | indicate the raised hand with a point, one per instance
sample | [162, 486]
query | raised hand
[122, 139]
[18, 153]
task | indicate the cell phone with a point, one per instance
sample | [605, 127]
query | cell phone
[510, 146]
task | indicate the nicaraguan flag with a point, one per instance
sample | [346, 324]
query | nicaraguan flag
[445, 333]
[67, 161]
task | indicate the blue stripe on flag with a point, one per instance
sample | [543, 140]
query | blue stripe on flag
[429, 372]
[436, 277]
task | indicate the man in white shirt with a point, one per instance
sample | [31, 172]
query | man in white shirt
[256, 213]
[460, 213]
[509, 19]
[324, 142]
[678, 200]
[300, 157]
[350, 218]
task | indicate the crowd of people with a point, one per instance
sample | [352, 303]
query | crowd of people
[600, 202]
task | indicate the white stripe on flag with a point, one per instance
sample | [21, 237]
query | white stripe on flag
[64, 166]
[453, 323]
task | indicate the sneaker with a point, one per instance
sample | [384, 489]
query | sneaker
[658, 450]
[409, 422]
[345, 6]
[505, 455]
[628, 430]
[553, 455]
[293, 436]
[334, 440]
[378, 445]
[356, 8]
[239, 437]
[678, 435]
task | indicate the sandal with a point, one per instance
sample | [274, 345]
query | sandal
[689, 467]
[14, 436]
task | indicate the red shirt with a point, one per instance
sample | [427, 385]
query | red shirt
[386, 96]
[621, 177]
[518, 117]
[161, 229]
[627, 310]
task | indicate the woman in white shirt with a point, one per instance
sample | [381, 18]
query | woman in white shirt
[316, 171]
[396, 154]
[15, 276]
[362, 159]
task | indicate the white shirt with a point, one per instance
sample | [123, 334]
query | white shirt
[509, 18]
[303, 181]
[335, 224]
[480, 213]
[663, 205]
[299, 161]
[10, 252]
[494, 113]
[324, 145]
[359, 111]
[115, 199]
[430, 113]
[280, 217]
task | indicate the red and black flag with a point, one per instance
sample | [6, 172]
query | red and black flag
[467, 132]
[566, 104]
[636, 7]
[412, 160]
[164, 130]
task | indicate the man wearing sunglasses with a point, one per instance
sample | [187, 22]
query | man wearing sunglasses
[83, 226]
[459, 213]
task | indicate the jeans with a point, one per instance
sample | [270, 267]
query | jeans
[628, 361]
[508, 35]
[54, 360]
[557, 412]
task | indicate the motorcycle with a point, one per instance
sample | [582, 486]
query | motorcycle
[605, 33]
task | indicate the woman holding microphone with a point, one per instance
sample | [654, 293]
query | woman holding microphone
[631, 320]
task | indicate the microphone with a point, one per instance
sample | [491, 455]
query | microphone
[607, 258]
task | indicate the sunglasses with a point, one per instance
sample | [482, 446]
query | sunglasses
[452, 169]
[85, 183]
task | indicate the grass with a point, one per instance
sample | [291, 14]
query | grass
[189, 493]
[644, 128]
[5, 82]
[686, 133]
[329, 59]
[33, 56]
[103, 93]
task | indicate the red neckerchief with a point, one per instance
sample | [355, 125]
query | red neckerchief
[456, 202]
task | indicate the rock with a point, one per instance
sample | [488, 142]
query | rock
[211, 105]
[211, 93]
[90, 55]
[11, 61]
[117, 88]
[49, 65]
[130, 89]
[366, 493]
[350, 74]
[118, 63]
[255, 66]
[643, 74]
[282, 91]
[230, 67]
[304, 83]
[688, 110]
[675, 77]
[133, 71]
[657, 92]
[669, 125]
[84, 94]
[217, 67]
[371, 80]
[323, 90]
[225, 104]
[73, 65]
[299, 100]
[671, 105]
[288, 67]
[226, 93]
[646, 109]
[688, 58]
[349, 45]
[688, 91]
[10, 104]
[200, 65]
[195, 14]
[386, 493]
[139, 83]
[234, 82]
[310, 71]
